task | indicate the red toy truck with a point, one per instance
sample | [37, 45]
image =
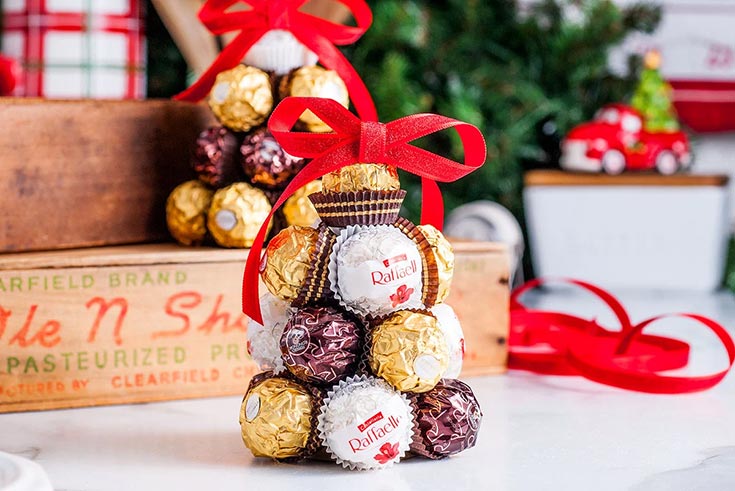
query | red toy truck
[616, 140]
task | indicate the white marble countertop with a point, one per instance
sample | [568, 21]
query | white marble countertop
[538, 433]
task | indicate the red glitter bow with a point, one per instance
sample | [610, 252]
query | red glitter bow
[555, 343]
[319, 35]
[355, 141]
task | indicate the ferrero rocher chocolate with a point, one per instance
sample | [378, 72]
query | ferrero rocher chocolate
[365, 424]
[321, 345]
[377, 269]
[362, 177]
[236, 215]
[448, 418]
[287, 259]
[241, 98]
[409, 351]
[186, 212]
[275, 419]
[444, 255]
[265, 163]
[298, 210]
[215, 159]
[314, 81]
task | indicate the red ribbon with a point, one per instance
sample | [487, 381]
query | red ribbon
[355, 141]
[319, 35]
[556, 343]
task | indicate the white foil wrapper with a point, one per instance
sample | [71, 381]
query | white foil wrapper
[376, 270]
[280, 52]
[453, 334]
[264, 341]
[365, 424]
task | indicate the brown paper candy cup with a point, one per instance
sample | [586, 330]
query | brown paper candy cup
[358, 207]
[431, 270]
[316, 287]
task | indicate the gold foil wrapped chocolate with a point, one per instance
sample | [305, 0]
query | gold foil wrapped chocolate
[287, 259]
[275, 419]
[409, 351]
[362, 177]
[298, 210]
[444, 255]
[242, 97]
[236, 215]
[314, 81]
[186, 212]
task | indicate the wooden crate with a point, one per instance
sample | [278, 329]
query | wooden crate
[108, 164]
[157, 322]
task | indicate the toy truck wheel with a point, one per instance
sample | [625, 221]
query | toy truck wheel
[613, 162]
[666, 163]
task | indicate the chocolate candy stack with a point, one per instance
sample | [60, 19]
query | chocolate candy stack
[360, 352]
[241, 168]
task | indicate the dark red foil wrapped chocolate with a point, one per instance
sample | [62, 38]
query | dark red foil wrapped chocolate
[216, 159]
[448, 419]
[265, 163]
[321, 345]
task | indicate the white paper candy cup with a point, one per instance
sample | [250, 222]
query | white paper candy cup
[264, 341]
[365, 424]
[453, 334]
[280, 52]
[375, 270]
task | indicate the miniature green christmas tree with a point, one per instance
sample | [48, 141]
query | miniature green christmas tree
[652, 97]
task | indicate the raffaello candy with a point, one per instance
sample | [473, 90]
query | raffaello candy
[376, 270]
[365, 424]
[264, 340]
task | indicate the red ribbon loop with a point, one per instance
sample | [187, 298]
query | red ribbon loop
[556, 343]
[387, 144]
[319, 35]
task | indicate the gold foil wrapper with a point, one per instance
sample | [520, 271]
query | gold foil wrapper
[275, 419]
[315, 81]
[287, 260]
[362, 177]
[242, 97]
[298, 209]
[186, 212]
[409, 351]
[236, 215]
[444, 255]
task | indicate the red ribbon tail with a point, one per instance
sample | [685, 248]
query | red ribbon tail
[251, 299]
[432, 204]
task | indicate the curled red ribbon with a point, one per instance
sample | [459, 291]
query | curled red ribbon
[352, 141]
[556, 343]
[319, 35]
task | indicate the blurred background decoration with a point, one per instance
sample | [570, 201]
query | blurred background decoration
[71, 49]
[524, 73]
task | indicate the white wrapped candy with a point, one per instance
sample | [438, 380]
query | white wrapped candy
[365, 423]
[376, 270]
[279, 51]
[452, 329]
[264, 340]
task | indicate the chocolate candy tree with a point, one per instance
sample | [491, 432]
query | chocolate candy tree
[360, 352]
[241, 168]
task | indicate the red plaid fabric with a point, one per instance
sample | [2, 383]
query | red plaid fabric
[77, 48]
